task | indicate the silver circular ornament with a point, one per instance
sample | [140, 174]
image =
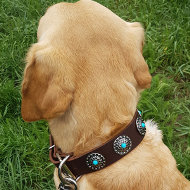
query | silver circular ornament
[95, 161]
[140, 126]
[122, 145]
[139, 112]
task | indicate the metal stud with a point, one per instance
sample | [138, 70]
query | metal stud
[95, 161]
[140, 125]
[122, 145]
[139, 112]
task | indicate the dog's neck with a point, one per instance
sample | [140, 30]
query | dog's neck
[72, 136]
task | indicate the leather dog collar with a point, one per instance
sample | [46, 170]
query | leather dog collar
[106, 154]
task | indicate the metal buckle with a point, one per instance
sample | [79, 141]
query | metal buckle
[69, 181]
[51, 147]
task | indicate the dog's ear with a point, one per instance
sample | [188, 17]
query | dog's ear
[47, 89]
[139, 66]
[141, 72]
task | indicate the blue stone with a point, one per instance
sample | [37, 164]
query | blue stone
[143, 124]
[95, 162]
[140, 112]
[123, 145]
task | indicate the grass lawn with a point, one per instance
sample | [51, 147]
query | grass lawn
[24, 162]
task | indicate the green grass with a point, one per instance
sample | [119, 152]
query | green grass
[24, 160]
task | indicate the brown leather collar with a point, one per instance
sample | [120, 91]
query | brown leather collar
[104, 155]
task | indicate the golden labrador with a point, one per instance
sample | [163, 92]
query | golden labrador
[85, 75]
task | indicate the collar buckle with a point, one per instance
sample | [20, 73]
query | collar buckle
[68, 180]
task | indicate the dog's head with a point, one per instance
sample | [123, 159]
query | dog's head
[91, 60]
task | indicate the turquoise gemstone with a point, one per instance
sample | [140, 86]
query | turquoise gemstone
[123, 145]
[95, 162]
[140, 112]
[143, 124]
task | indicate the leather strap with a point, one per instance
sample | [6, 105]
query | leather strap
[78, 165]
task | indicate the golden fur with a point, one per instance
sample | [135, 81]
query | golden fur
[85, 75]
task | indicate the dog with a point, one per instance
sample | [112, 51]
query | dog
[84, 76]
